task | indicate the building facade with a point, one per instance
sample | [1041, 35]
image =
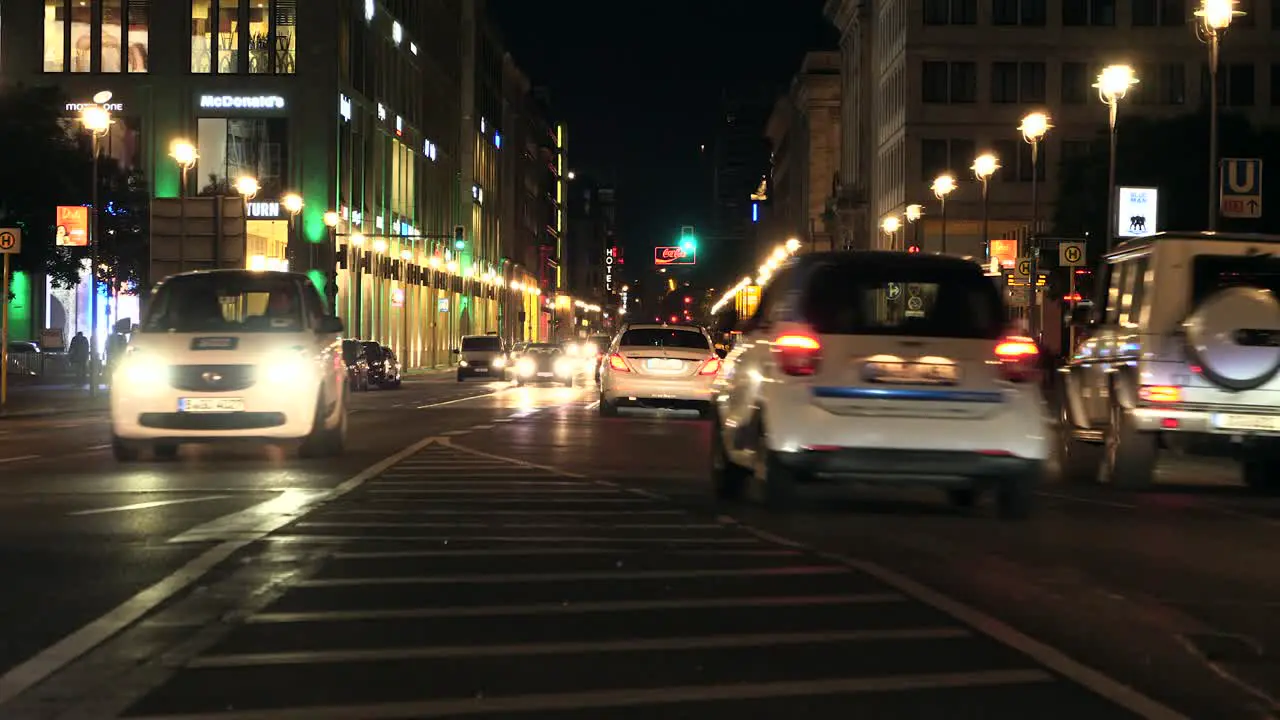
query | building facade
[383, 112]
[929, 85]
[738, 158]
[804, 131]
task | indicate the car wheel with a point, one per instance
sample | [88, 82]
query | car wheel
[1079, 461]
[1130, 455]
[324, 441]
[607, 408]
[729, 480]
[779, 482]
[124, 451]
[165, 451]
[1016, 495]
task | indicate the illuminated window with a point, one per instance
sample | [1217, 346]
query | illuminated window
[138, 19]
[81, 37]
[229, 30]
[112, 24]
[202, 47]
[236, 36]
[55, 46]
[285, 26]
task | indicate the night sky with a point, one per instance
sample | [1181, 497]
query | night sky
[638, 86]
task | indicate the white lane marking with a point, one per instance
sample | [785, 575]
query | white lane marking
[512, 501]
[318, 657]
[514, 461]
[503, 420]
[455, 432]
[509, 525]
[592, 405]
[482, 482]
[148, 505]
[518, 539]
[458, 400]
[19, 458]
[585, 490]
[510, 513]
[533, 551]
[1049, 657]
[96, 448]
[267, 517]
[545, 577]
[659, 497]
[576, 608]
[481, 427]
[607, 700]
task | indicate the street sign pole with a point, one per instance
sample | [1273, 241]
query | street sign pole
[1071, 314]
[4, 339]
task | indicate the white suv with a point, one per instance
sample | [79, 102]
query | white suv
[1184, 344]
[886, 368]
[231, 354]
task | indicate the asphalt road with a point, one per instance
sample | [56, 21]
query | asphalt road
[494, 552]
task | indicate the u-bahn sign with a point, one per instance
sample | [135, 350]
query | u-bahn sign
[674, 255]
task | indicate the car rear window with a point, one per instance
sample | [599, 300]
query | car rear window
[659, 337]
[482, 344]
[1214, 272]
[227, 303]
[912, 297]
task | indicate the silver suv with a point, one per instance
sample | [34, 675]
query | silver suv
[1185, 339]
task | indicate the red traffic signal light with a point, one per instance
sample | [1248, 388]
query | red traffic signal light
[913, 249]
[687, 300]
[675, 319]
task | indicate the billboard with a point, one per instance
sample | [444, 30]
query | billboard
[674, 255]
[1137, 210]
[72, 226]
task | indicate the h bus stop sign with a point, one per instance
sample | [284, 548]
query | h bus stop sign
[10, 241]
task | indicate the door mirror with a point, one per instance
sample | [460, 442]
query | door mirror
[456, 351]
[330, 324]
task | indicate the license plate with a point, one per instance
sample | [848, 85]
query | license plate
[1266, 423]
[664, 364]
[546, 374]
[482, 369]
[911, 373]
[211, 405]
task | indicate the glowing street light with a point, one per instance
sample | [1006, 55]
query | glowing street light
[984, 166]
[793, 245]
[891, 225]
[1212, 20]
[1113, 84]
[247, 187]
[96, 120]
[292, 203]
[1033, 128]
[331, 219]
[942, 186]
[183, 153]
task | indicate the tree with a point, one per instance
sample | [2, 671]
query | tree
[48, 163]
[1169, 154]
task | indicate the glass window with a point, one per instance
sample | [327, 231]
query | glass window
[937, 12]
[1144, 13]
[227, 302]
[1004, 82]
[286, 30]
[963, 151]
[201, 36]
[964, 12]
[482, 343]
[933, 159]
[230, 148]
[81, 37]
[1004, 12]
[1075, 83]
[228, 36]
[139, 20]
[112, 27]
[1075, 12]
[853, 297]
[964, 82]
[259, 40]
[55, 46]
[1173, 13]
[660, 337]
[1034, 13]
[1031, 82]
[1024, 161]
[934, 82]
[1006, 151]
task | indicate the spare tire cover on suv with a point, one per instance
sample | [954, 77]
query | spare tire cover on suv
[1234, 336]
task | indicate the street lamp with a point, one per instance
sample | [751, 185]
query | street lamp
[1212, 20]
[793, 245]
[96, 119]
[914, 212]
[984, 166]
[891, 225]
[1113, 84]
[942, 186]
[331, 219]
[184, 153]
[1033, 128]
[292, 204]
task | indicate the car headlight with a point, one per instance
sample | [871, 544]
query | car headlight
[462, 363]
[526, 367]
[564, 367]
[141, 370]
[572, 349]
[499, 362]
[287, 368]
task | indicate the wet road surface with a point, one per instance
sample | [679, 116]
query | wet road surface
[514, 555]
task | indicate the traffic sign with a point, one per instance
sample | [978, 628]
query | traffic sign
[10, 241]
[894, 291]
[1022, 270]
[1240, 188]
[1020, 295]
[1071, 254]
[915, 302]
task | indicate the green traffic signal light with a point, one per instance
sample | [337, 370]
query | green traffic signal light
[688, 241]
[459, 237]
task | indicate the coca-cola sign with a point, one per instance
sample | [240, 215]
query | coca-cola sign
[673, 255]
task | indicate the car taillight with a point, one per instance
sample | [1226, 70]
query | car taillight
[1019, 358]
[710, 367]
[1160, 393]
[798, 354]
[616, 362]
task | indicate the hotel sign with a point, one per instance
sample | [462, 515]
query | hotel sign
[242, 102]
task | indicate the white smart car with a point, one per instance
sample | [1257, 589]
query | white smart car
[231, 355]
[886, 368]
[659, 366]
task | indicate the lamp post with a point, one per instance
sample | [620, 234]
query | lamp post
[1212, 20]
[292, 204]
[248, 188]
[183, 153]
[356, 287]
[942, 186]
[1033, 128]
[331, 220]
[1113, 84]
[914, 212]
[96, 119]
[890, 225]
[984, 166]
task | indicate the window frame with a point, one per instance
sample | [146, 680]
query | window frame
[96, 30]
[243, 37]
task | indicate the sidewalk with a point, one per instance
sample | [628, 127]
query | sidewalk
[29, 401]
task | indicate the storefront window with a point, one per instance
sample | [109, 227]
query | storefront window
[112, 23]
[201, 37]
[230, 148]
[259, 38]
[286, 28]
[55, 46]
[228, 36]
[139, 19]
[81, 37]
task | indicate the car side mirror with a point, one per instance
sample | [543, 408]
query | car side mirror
[331, 324]
[456, 351]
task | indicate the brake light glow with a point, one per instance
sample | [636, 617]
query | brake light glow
[618, 363]
[710, 367]
[798, 354]
[1160, 393]
[1018, 356]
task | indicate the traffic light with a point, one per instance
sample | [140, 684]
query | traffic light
[688, 241]
[687, 299]
[459, 237]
